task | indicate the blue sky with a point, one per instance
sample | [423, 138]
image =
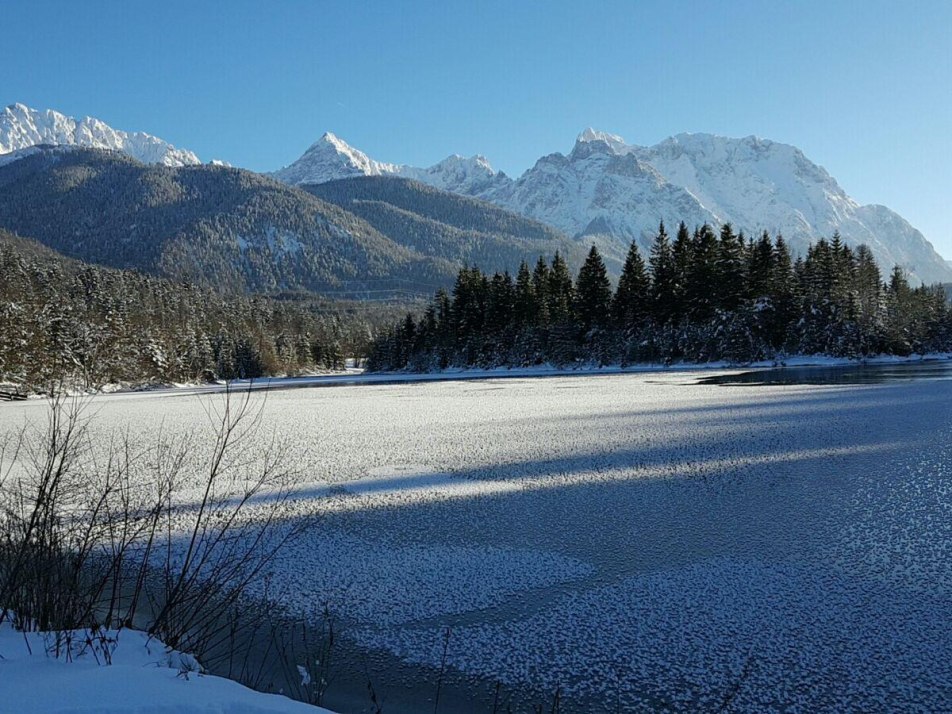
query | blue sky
[864, 88]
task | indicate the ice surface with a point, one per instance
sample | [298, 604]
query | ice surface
[639, 540]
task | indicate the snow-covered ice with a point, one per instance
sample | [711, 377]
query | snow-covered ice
[638, 541]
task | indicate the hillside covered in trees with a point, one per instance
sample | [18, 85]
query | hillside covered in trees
[242, 232]
[211, 226]
[701, 297]
[64, 320]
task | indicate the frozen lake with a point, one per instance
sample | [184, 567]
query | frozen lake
[635, 542]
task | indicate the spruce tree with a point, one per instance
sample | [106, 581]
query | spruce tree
[593, 293]
[541, 285]
[702, 277]
[630, 305]
[526, 309]
[561, 292]
[731, 269]
[760, 268]
[869, 298]
[663, 278]
[500, 305]
[683, 250]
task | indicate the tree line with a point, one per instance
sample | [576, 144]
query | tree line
[703, 296]
[66, 321]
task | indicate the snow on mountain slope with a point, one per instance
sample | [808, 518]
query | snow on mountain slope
[764, 185]
[605, 187]
[595, 190]
[22, 127]
[331, 158]
[471, 177]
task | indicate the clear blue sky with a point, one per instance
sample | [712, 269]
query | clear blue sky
[863, 87]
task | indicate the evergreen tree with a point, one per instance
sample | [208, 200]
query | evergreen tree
[593, 293]
[500, 316]
[541, 284]
[731, 269]
[682, 251]
[760, 268]
[526, 308]
[663, 277]
[702, 278]
[630, 305]
[561, 292]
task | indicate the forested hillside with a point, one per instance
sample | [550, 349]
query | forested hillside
[209, 225]
[64, 320]
[238, 231]
[699, 298]
[447, 225]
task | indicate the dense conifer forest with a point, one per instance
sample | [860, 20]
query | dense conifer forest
[701, 297]
[241, 232]
[64, 321]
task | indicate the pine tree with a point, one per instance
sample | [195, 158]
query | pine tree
[702, 278]
[526, 309]
[683, 252]
[561, 292]
[663, 278]
[593, 293]
[731, 269]
[630, 305]
[760, 268]
[500, 317]
[541, 285]
[870, 306]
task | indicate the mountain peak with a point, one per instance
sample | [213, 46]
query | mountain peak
[590, 134]
[330, 138]
[622, 190]
[330, 158]
[22, 127]
[614, 142]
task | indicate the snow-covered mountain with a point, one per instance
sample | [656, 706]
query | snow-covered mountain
[22, 127]
[330, 158]
[606, 187]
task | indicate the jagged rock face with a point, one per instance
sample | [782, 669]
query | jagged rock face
[619, 191]
[22, 128]
[597, 191]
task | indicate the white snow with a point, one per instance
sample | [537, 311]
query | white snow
[144, 677]
[331, 158]
[22, 127]
[635, 539]
[606, 186]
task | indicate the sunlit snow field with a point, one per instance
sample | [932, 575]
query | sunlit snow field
[635, 542]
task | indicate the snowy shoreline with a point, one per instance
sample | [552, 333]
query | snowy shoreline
[354, 377]
[119, 671]
[625, 539]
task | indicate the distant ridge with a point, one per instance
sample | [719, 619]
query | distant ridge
[606, 187]
[22, 127]
[239, 231]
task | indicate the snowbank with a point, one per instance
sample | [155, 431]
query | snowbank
[144, 676]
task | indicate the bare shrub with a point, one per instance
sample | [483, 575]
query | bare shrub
[168, 536]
